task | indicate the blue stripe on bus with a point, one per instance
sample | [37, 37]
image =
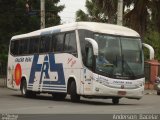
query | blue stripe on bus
[54, 86]
[51, 83]
[48, 85]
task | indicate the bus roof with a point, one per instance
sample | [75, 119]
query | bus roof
[92, 26]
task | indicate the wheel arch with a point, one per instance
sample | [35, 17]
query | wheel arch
[70, 79]
[22, 79]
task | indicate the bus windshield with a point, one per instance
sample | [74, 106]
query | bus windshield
[119, 57]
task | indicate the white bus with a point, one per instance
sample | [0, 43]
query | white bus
[93, 60]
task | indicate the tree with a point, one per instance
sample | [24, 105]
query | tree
[137, 18]
[143, 18]
[153, 38]
[93, 13]
[52, 10]
[155, 8]
[81, 16]
[15, 19]
[109, 8]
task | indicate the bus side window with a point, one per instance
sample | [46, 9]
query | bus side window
[82, 35]
[53, 43]
[70, 44]
[23, 46]
[33, 45]
[14, 47]
[44, 44]
[59, 38]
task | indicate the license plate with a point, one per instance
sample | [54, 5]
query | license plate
[122, 93]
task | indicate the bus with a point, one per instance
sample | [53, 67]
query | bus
[81, 59]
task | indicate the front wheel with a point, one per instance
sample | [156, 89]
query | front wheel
[73, 93]
[158, 92]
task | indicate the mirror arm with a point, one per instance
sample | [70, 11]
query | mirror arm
[151, 50]
[94, 45]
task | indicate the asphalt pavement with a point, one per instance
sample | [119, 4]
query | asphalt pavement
[44, 107]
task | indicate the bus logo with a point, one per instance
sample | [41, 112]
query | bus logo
[44, 68]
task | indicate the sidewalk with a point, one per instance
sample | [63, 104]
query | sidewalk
[150, 92]
[3, 82]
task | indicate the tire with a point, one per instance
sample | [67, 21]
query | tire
[59, 96]
[115, 101]
[25, 92]
[73, 92]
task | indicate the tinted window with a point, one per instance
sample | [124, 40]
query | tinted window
[67, 39]
[14, 47]
[70, 43]
[82, 35]
[89, 56]
[45, 44]
[33, 45]
[57, 42]
[23, 46]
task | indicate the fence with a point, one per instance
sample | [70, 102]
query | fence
[3, 78]
[151, 71]
[3, 81]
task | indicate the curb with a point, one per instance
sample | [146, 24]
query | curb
[150, 92]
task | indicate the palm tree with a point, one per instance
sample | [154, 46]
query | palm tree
[143, 12]
[81, 16]
[109, 8]
[137, 18]
[93, 13]
[156, 14]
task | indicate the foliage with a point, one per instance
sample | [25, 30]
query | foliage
[143, 18]
[14, 19]
[93, 13]
[153, 38]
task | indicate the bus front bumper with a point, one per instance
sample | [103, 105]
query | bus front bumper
[102, 90]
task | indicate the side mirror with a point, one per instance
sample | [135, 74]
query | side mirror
[94, 45]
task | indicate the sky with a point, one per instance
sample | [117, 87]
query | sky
[71, 6]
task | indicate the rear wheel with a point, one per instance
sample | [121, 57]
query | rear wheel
[115, 101]
[24, 91]
[59, 96]
[73, 92]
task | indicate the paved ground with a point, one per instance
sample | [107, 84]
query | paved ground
[16, 107]
[12, 102]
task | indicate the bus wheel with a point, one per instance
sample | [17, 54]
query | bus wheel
[59, 96]
[24, 91]
[23, 88]
[73, 93]
[115, 101]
